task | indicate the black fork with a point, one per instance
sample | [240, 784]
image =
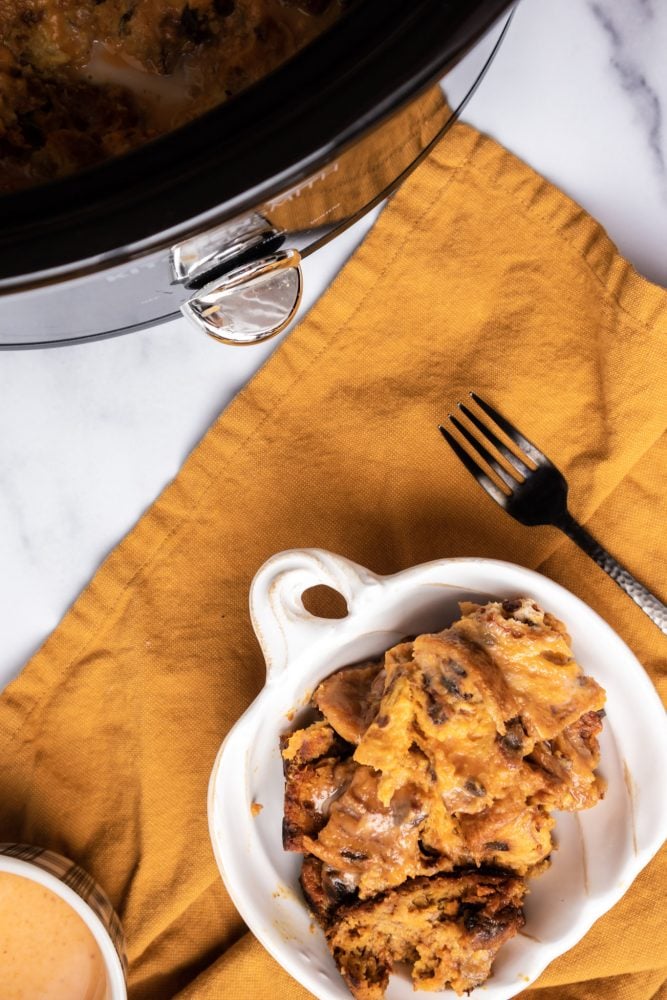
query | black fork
[535, 492]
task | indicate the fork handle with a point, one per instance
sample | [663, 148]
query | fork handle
[647, 601]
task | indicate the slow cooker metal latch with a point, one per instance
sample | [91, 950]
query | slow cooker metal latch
[246, 289]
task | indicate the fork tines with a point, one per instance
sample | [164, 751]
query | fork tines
[515, 467]
[533, 491]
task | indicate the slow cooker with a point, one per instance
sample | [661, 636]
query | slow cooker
[212, 220]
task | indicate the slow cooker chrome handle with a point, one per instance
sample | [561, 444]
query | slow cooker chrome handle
[245, 289]
[195, 260]
[251, 303]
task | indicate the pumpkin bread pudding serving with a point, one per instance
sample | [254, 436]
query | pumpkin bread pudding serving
[422, 792]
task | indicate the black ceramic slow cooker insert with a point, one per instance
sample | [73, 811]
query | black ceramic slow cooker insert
[196, 221]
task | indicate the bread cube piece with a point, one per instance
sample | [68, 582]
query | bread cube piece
[315, 775]
[447, 928]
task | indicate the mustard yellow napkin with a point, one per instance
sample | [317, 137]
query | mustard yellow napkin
[479, 275]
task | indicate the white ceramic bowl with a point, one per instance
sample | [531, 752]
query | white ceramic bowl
[600, 851]
[73, 885]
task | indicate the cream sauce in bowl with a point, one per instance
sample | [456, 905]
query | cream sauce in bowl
[46, 949]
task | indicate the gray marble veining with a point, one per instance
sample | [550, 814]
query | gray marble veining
[631, 29]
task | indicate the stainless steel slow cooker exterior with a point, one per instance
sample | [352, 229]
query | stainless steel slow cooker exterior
[206, 220]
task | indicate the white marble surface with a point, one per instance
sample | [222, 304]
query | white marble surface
[91, 434]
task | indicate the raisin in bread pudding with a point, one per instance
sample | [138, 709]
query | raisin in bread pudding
[422, 793]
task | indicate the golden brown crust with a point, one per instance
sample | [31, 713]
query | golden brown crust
[312, 743]
[314, 774]
[531, 649]
[568, 764]
[349, 699]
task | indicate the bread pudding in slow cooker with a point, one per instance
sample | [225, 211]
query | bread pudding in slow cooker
[422, 792]
[81, 82]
